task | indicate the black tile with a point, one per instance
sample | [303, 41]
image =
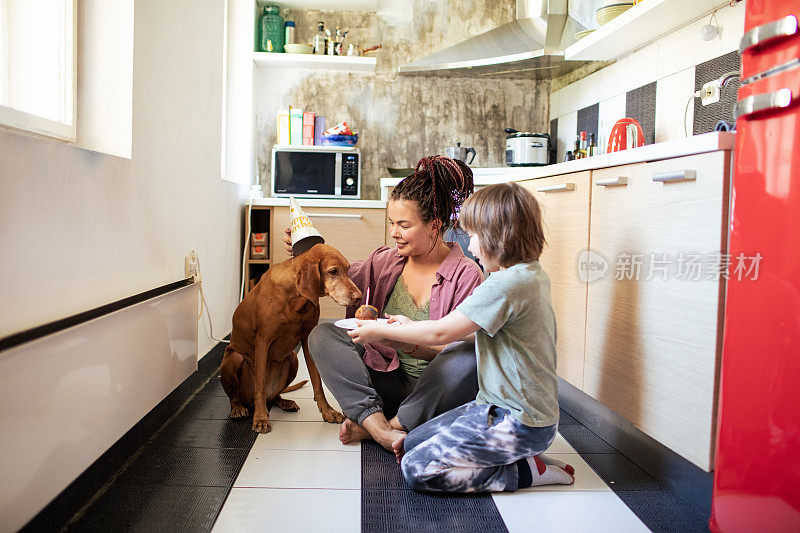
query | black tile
[664, 511]
[212, 388]
[620, 473]
[180, 394]
[198, 467]
[707, 117]
[185, 430]
[641, 104]
[379, 469]
[208, 406]
[589, 120]
[565, 419]
[584, 441]
[153, 508]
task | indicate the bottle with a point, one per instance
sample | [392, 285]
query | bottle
[592, 146]
[584, 145]
[272, 30]
[289, 32]
[320, 40]
[577, 153]
[569, 156]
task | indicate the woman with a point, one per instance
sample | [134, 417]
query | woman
[387, 389]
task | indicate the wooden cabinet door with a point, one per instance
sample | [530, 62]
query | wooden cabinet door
[355, 232]
[653, 337]
[565, 215]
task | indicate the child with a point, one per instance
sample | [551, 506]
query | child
[493, 443]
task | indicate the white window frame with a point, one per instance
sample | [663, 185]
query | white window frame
[64, 128]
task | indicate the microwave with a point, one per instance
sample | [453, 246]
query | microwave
[316, 171]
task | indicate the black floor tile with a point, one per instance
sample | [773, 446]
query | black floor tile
[208, 406]
[584, 440]
[382, 472]
[153, 508]
[664, 511]
[184, 430]
[620, 473]
[212, 388]
[198, 467]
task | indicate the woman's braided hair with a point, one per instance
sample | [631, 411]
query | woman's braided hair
[439, 185]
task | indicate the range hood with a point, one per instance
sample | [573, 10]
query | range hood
[532, 46]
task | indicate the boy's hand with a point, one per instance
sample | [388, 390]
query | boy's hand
[287, 241]
[366, 332]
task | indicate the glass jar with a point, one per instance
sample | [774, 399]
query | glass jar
[272, 30]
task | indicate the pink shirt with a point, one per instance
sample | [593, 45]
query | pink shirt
[455, 279]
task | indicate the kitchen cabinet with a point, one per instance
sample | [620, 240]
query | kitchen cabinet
[654, 319]
[354, 232]
[564, 201]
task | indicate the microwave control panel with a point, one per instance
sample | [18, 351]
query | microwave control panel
[350, 174]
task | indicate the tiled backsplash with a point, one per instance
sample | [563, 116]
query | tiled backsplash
[654, 85]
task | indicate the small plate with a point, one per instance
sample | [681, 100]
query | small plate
[350, 323]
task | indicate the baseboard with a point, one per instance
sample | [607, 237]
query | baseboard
[687, 479]
[59, 511]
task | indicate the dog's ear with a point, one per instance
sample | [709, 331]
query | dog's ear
[308, 279]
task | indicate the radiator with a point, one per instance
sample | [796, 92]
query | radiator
[68, 394]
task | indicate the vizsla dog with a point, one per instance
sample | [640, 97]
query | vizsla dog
[274, 317]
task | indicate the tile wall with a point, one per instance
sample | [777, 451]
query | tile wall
[654, 85]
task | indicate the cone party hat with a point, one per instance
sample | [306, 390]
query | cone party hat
[304, 234]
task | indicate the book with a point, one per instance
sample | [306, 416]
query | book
[308, 127]
[283, 127]
[295, 125]
[319, 127]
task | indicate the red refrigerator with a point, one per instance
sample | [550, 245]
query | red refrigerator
[757, 476]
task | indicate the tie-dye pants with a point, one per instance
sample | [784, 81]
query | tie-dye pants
[472, 448]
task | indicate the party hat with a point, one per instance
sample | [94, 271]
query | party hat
[304, 234]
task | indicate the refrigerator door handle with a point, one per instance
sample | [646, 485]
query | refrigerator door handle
[777, 28]
[762, 102]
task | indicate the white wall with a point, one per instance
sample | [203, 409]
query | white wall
[670, 61]
[79, 229]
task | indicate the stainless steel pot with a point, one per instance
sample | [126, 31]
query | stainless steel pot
[460, 153]
[527, 149]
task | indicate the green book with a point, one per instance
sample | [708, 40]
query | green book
[295, 125]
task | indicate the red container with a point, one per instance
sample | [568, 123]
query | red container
[626, 133]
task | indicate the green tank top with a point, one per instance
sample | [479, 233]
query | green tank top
[401, 303]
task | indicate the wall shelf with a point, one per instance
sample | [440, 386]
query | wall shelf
[315, 62]
[640, 25]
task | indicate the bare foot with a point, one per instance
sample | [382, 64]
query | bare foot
[388, 438]
[397, 447]
[352, 432]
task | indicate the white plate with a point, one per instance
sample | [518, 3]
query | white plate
[350, 323]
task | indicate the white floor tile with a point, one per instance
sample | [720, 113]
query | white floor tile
[301, 469]
[575, 511]
[309, 412]
[303, 436]
[585, 478]
[295, 510]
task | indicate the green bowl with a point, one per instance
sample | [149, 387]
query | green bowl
[400, 172]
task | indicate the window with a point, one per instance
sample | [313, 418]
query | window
[37, 66]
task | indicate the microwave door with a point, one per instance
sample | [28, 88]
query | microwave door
[305, 173]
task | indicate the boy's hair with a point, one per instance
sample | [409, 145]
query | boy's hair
[508, 222]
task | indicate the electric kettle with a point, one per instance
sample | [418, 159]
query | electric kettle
[460, 153]
[626, 133]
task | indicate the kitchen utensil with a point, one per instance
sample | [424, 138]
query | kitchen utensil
[339, 140]
[525, 149]
[626, 133]
[608, 13]
[375, 48]
[459, 152]
[298, 48]
[400, 172]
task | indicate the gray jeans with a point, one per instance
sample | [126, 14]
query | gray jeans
[450, 380]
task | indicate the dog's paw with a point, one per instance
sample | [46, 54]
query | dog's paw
[239, 411]
[332, 416]
[287, 405]
[262, 426]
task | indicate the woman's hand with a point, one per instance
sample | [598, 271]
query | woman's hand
[366, 332]
[287, 241]
[401, 319]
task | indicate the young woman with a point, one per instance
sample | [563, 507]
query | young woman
[386, 389]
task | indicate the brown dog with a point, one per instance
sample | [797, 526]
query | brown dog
[274, 317]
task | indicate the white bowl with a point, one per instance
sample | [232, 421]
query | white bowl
[605, 14]
[297, 48]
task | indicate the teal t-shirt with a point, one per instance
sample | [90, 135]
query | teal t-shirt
[516, 345]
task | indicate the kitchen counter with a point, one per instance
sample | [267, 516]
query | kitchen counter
[698, 144]
[322, 202]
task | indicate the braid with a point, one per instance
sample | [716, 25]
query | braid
[439, 185]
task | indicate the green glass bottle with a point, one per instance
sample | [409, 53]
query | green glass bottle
[272, 30]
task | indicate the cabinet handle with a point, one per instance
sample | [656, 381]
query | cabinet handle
[760, 34]
[610, 182]
[675, 175]
[559, 187]
[333, 215]
[762, 102]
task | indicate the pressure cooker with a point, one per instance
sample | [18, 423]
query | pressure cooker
[527, 149]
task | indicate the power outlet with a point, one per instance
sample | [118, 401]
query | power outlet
[710, 92]
[190, 263]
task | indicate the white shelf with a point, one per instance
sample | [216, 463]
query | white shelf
[315, 62]
[640, 25]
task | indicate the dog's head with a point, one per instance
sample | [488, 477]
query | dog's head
[323, 270]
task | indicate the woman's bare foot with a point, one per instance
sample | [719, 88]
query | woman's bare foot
[388, 438]
[352, 432]
[397, 447]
